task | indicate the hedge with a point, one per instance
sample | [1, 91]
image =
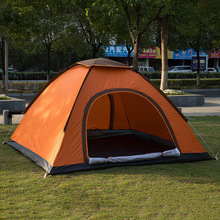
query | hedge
[156, 75]
[28, 75]
[172, 84]
[190, 83]
[24, 86]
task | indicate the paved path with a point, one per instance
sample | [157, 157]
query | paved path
[211, 108]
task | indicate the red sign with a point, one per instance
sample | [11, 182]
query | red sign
[215, 54]
[148, 53]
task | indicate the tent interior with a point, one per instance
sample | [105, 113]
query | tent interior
[125, 124]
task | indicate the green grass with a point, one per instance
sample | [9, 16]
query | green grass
[162, 191]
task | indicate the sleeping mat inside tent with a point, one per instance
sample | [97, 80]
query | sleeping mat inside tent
[111, 143]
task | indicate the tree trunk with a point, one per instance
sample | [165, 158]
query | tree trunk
[136, 44]
[6, 67]
[129, 60]
[48, 61]
[198, 69]
[164, 59]
[94, 50]
[3, 65]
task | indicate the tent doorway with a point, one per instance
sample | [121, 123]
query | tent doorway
[126, 123]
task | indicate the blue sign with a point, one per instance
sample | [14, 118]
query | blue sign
[117, 51]
[186, 54]
[202, 63]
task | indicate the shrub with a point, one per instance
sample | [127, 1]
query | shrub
[157, 75]
[4, 97]
[20, 86]
[36, 86]
[172, 84]
[28, 75]
[190, 83]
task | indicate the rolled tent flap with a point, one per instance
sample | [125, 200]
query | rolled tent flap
[169, 153]
[97, 160]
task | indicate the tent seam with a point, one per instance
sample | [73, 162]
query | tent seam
[77, 98]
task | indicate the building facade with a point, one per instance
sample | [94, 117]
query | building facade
[152, 57]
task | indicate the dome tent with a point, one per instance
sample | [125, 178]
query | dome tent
[100, 113]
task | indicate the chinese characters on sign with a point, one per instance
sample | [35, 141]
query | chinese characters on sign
[148, 53]
[203, 63]
[121, 51]
[154, 52]
[186, 54]
[215, 54]
[117, 51]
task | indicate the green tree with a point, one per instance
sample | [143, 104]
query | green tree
[84, 31]
[171, 16]
[46, 27]
[6, 17]
[121, 35]
[139, 17]
[119, 30]
[199, 29]
[39, 23]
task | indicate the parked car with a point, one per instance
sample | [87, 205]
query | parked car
[147, 69]
[10, 69]
[180, 69]
[209, 70]
[212, 70]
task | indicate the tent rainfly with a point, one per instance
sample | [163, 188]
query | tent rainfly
[100, 113]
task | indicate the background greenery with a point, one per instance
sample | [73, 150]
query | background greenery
[45, 35]
[190, 83]
[172, 83]
[162, 191]
[155, 75]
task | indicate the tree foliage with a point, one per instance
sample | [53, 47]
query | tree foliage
[139, 17]
[40, 29]
[84, 25]
[198, 29]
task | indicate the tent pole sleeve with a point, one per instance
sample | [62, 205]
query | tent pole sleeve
[112, 111]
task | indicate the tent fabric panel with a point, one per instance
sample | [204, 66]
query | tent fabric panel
[144, 116]
[120, 116]
[187, 157]
[31, 155]
[42, 126]
[103, 108]
[103, 62]
[187, 138]
[99, 114]
[164, 95]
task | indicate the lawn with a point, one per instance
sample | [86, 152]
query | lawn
[163, 191]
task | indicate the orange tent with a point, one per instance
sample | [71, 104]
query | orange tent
[101, 113]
